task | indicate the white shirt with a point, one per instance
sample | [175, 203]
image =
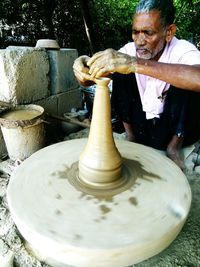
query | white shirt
[151, 89]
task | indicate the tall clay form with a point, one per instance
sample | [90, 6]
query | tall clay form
[100, 162]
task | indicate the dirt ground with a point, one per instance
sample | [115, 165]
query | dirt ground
[183, 252]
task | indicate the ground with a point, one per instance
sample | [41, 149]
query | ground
[183, 252]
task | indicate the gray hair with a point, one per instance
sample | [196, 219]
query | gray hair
[166, 8]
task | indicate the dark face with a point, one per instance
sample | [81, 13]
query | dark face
[149, 35]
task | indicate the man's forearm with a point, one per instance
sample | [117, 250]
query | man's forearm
[179, 75]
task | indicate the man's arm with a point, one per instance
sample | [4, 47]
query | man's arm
[179, 75]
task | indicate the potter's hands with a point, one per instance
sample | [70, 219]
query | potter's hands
[105, 62]
[81, 71]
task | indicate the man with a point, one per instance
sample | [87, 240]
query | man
[148, 74]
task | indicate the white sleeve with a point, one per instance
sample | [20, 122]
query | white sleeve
[185, 52]
[190, 58]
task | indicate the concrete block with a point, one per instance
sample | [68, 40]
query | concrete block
[50, 104]
[24, 74]
[52, 127]
[62, 78]
[69, 100]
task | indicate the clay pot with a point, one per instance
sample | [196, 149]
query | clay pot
[47, 43]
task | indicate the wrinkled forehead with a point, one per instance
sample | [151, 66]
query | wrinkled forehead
[150, 19]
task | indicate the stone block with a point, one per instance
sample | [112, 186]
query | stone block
[52, 127]
[62, 78]
[50, 104]
[24, 74]
[69, 100]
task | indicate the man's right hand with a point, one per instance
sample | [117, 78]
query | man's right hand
[109, 61]
[81, 71]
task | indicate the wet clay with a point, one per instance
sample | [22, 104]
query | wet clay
[100, 163]
[21, 114]
[102, 191]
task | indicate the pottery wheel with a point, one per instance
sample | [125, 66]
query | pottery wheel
[96, 203]
[65, 226]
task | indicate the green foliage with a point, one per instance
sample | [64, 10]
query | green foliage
[37, 19]
[112, 21]
[187, 20]
[109, 24]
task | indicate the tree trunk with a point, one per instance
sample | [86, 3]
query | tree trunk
[48, 8]
[88, 25]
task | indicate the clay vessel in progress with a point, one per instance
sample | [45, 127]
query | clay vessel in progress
[100, 162]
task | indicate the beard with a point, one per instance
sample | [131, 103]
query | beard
[145, 53]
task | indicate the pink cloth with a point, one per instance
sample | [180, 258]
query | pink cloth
[151, 89]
